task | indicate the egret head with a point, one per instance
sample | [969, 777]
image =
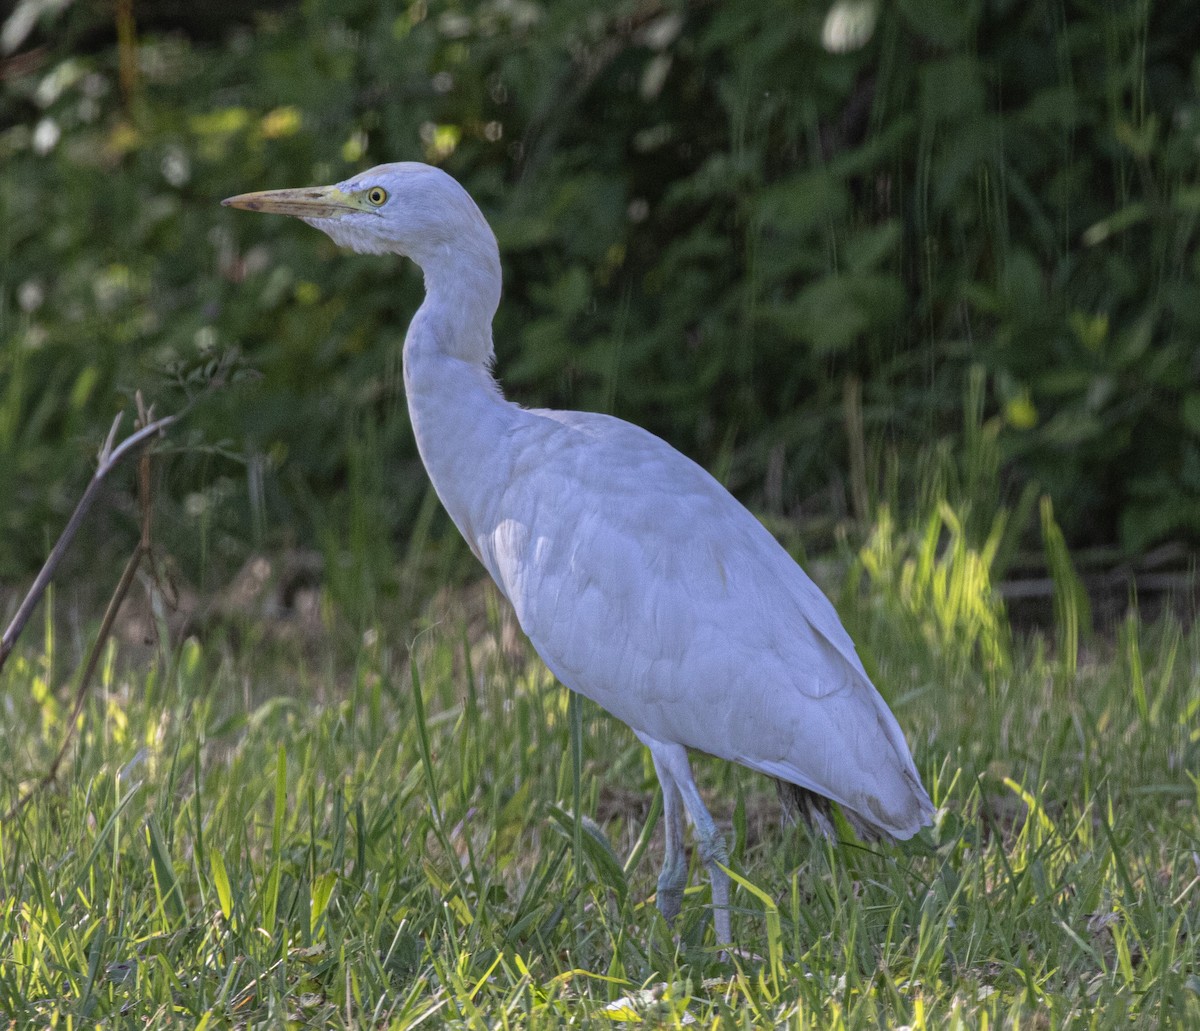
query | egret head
[419, 211]
[403, 208]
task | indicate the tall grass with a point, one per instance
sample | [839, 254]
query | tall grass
[263, 837]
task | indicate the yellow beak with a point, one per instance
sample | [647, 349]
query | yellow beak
[309, 202]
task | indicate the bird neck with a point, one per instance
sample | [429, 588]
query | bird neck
[458, 414]
[462, 293]
[460, 421]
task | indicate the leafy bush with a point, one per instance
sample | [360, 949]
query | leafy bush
[717, 220]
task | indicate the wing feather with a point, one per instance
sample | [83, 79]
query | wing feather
[647, 587]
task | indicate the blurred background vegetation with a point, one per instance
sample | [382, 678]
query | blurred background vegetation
[818, 246]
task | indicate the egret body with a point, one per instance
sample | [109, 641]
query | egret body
[642, 583]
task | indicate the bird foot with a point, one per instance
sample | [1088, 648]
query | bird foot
[669, 902]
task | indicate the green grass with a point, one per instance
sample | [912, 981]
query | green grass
[264, 836]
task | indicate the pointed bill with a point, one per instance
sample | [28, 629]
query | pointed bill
[307, 202]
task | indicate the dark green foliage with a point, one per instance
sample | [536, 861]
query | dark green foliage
[712, 225]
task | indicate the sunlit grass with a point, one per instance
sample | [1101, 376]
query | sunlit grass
[251, 836]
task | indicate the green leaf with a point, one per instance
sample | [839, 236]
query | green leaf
[320, 894]
[869, 248]
[945, 22]
[1190, 410]
[597, 850]
[837, 310]
[216, 863]
[169, 891]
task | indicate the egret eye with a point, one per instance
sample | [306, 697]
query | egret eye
[376, 195]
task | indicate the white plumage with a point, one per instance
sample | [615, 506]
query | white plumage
[639, 579]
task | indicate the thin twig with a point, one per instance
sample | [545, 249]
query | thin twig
[110, 614]
[109, 458]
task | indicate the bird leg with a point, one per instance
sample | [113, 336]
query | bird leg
[715, 854]
[675, 774]
[673, 878]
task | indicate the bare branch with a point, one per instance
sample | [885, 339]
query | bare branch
[110, 457]
[140, 552]
[107, 446]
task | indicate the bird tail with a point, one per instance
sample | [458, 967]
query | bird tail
[818, 812]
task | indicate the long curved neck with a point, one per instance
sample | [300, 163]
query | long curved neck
[458, 414]
[462, 293]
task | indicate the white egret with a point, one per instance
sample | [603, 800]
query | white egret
[639, 579]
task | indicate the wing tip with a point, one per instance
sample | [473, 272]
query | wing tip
[906, 823]
[802, 803]
[911, 830]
